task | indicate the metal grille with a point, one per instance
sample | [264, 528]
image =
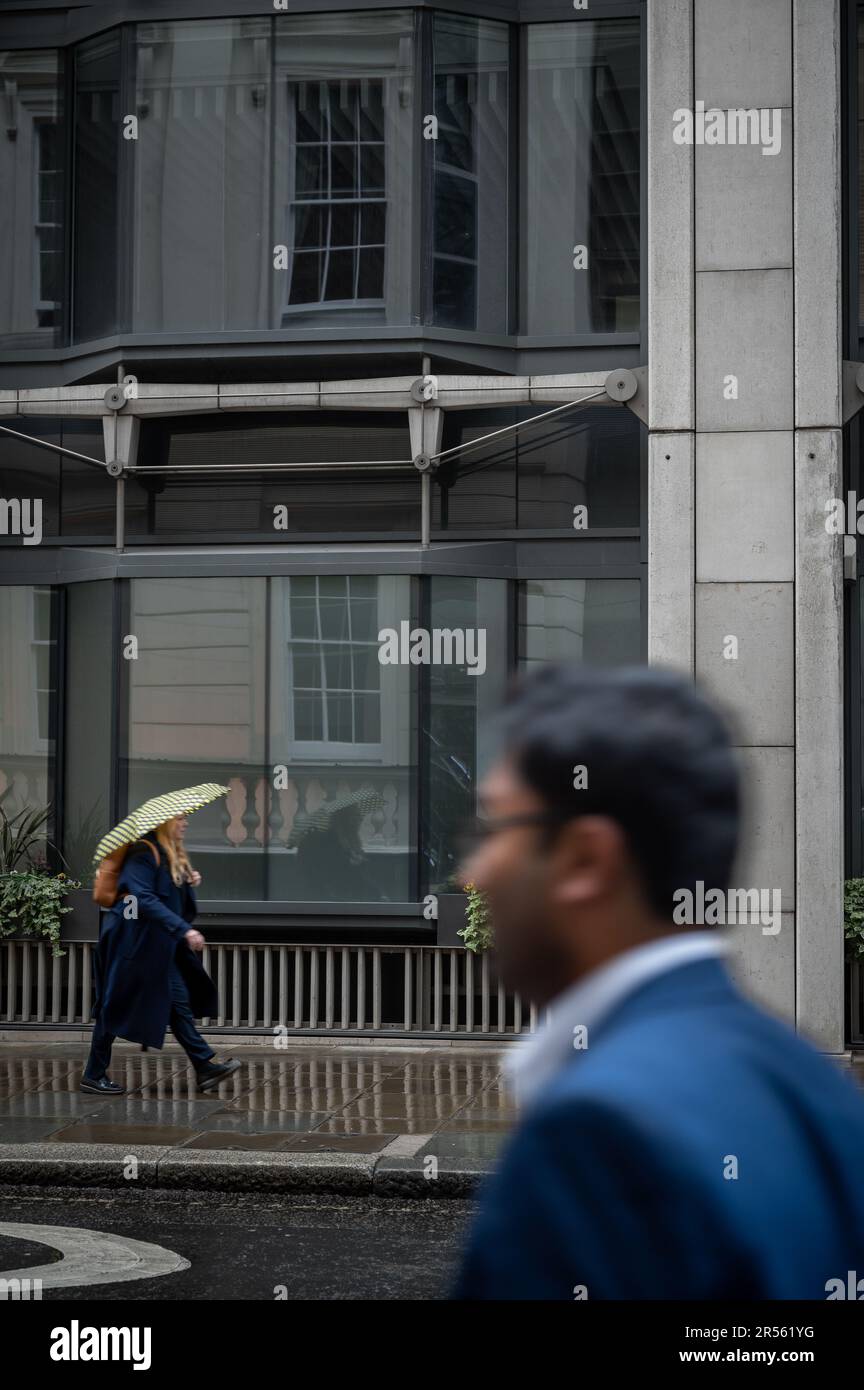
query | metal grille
[389, 990]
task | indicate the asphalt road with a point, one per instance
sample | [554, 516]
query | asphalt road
[247, 1247]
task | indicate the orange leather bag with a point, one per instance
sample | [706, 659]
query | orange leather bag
[108, 873]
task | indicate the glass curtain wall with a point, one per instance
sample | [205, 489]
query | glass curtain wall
[97, 165]
[470, 152]
[271, 172]
[580, 234]
[344, 155]
[32, 208]
[27, 692]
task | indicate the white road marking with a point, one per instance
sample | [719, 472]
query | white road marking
[91, 1257]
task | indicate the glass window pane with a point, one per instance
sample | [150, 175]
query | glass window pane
[340, 275]
[97, 150]
[537, 476]
[88, 714]
[581, 170]
[32, 211]
[26, 698]
[346, 818]
[476, 490]
[337, 665]
[88, 495]
[203, 254]
[592, 620]
[590, 458]
[359, 160]
[197, 697]
[30, 477]
[224, 506]
[459, 708]
[471, 59]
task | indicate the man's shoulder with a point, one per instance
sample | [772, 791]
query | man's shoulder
[688, 1076]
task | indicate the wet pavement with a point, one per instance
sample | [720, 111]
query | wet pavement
[392, 1102]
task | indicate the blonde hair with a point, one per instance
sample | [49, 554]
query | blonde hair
[178, 859]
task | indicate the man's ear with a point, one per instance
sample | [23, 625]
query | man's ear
[588, 857]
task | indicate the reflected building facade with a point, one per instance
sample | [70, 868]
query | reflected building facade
[314, 211]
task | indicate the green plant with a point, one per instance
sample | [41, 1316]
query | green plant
[477, 934]
[31, 904]
[853, 918]
[22, 838]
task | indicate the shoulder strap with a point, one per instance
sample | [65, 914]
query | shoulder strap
[152, 848]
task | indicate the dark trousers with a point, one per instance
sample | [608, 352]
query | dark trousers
[182, 1026]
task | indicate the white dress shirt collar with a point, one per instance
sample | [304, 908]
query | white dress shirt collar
[533, 1064]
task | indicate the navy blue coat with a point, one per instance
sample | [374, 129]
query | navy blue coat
[134, 956]
[619, 1180]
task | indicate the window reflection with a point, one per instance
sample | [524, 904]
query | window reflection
[581, 178]
[591, 620]
[471, 58]
[97, 146]
[32, 211]
[274, 688]
[343, 168]
[27, 667]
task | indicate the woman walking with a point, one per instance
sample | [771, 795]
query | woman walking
[148, 966]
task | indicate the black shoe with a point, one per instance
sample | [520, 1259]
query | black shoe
[213, 1072]
[102, 1087]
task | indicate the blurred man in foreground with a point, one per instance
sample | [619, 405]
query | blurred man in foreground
[676, 1141]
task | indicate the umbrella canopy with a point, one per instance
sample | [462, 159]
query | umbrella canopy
[310, 821]
[154, 812]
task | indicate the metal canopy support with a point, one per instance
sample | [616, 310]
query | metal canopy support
[122, 407]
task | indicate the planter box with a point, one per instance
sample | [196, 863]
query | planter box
[82, 923]
[451, 919]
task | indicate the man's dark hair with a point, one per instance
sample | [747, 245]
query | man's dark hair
[658, 759]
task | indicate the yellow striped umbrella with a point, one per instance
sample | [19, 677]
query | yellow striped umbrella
[154, 812]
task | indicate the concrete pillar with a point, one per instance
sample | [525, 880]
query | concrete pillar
[745, 586]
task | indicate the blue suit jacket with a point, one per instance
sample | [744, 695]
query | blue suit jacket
[620, 1179]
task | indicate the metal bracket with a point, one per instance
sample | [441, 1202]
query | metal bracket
[424, 463]
[115, 398]
[850, 559]
[424, 389]
[115, 469]
[629, 385]
[853, 389]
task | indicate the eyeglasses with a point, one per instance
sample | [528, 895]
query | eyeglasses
[482, 828]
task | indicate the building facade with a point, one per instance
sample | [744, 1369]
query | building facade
[317, 321]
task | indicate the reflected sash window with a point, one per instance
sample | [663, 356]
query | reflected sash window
[334, 672]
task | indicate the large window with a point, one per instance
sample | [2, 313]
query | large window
[32, 209]
[274, 687]
[574, 472]
[202, 175]
[581, 225]
[470, 236]
[27, 681]
[323, 173]
[351, 764]
[344, 155]
[98, 243]
[215, 503]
